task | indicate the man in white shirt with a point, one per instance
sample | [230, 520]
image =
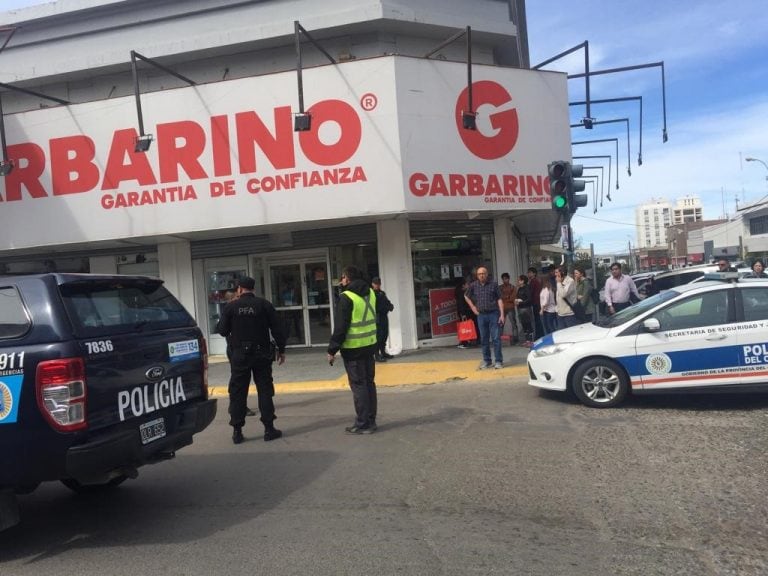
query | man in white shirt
[618, 290]
[564, 298]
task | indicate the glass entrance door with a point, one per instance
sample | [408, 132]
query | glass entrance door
[221, 285]
[288, 298]
[300, 292]
[318, 302]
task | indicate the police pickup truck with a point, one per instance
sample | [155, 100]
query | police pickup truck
[99, 375]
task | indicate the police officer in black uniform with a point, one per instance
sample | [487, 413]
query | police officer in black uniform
[247, 322]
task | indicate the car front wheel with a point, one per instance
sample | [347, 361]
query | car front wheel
[600, 383]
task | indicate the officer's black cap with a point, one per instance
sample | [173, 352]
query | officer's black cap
[246, 282]
[376, 280]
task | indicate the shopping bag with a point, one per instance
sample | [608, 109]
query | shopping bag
[465, 330]
[508, 332]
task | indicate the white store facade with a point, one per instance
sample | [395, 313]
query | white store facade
[386, 179]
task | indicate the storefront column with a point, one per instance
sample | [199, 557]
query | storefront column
[507, 254]
[396, 271]
[175, 260]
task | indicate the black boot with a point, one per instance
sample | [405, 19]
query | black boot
[237, 435]
[271, 433]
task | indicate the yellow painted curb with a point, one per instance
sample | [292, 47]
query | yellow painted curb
[400, 374]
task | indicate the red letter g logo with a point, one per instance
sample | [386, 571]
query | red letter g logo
[505, 123]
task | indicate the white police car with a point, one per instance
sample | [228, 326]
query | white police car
[710, 335]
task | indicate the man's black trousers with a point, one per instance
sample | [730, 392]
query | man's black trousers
[361, 373]
[382, 333]
[244, 367]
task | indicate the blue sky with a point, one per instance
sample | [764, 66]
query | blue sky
[715, 56]
[12, 4]
[716, 67]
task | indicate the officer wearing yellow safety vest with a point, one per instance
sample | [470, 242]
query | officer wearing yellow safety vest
[355, 336]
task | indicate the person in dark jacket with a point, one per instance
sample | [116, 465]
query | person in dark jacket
[355, 336]
[534, 286]
[249, 323]
[525, 309]
[463, 311]
[383, 308]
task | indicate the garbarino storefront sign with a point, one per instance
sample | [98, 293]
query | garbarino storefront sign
[384, 140]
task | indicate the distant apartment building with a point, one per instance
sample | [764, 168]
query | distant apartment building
[654, 218]
[651, 221]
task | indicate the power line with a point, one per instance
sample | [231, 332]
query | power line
[608, 221]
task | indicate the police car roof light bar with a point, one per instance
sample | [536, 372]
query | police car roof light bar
[722, 276]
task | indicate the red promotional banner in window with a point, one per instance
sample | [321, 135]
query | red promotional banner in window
[442, 311]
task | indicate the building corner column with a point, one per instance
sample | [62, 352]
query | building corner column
[396, 271]
[175, 264]
[505, 245]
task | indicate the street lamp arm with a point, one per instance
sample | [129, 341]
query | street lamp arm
[750, 159]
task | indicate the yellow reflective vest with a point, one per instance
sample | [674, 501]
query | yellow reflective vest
[362, 327]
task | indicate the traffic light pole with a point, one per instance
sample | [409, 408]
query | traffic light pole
[569, 243]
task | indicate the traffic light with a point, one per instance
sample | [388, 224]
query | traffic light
[574, 199]
[564, 190]
[559, 174]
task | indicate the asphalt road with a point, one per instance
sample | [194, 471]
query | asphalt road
[463, 478]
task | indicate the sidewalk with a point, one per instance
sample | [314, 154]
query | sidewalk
[307, 369]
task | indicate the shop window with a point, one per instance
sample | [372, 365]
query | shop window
[439, 265]
[758, 225]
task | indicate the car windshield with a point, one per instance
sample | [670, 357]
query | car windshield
[636, 309]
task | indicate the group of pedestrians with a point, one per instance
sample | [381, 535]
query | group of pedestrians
[534, 306]
[256, 339]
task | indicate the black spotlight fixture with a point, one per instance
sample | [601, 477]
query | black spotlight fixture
[302, 122]
[143, 143]
[6, 167]
[469, 120]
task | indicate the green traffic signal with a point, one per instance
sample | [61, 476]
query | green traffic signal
[558, 172]
[564, 189]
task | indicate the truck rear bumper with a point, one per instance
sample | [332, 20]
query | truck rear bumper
[122, 451]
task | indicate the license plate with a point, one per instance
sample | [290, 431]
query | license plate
[152, 430]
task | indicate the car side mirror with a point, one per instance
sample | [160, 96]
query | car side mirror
[651, 325]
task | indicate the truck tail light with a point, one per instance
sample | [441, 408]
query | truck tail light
[61, 393]
[204, 352]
